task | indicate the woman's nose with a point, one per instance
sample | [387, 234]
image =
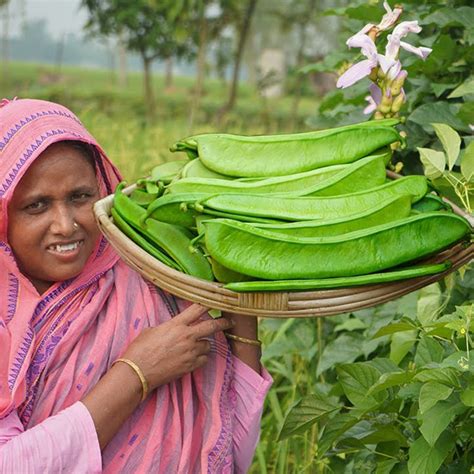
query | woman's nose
[63, 222]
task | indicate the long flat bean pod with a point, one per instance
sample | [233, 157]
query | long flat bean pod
[180, 209]
[141, 241]
[328, 181]
[339, 282]
[175, 241]
[313, 207]
[262, 254]
[389, 210]
[277, 155]
[196, 169]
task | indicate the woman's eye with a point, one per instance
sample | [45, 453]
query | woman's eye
[81, 197]
[36, 206]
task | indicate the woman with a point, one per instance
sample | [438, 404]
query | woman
[99, 370]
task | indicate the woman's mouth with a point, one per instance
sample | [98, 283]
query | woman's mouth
[66, 250]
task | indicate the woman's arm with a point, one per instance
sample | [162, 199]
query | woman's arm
[66, 442]
[246, 327]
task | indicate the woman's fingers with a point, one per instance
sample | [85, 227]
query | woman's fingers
[191, 314]
[211, 326]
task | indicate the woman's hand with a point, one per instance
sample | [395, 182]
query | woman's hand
[176, 347]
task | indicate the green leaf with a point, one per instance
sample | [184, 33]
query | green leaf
[436, 419]
[467, 395]
[429, 301]
[431, 393]
[304, 414]
[401, 344]
[356, 380]
[346, 348]
[445, 375]
[429, 350]
[467, 87]
[391, 380]
[333, 429]
[433, 161]
[463, 16]
[384, 467]
[350, 324]
[426, 459]
[394, 327]
[438, 112]
[467, 163]
[450, 140]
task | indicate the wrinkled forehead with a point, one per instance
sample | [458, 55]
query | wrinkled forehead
[27, 128]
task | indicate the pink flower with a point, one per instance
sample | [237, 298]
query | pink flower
[363, 68]
[394, 41]
[373, 99]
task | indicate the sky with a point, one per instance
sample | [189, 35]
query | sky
[63, 16]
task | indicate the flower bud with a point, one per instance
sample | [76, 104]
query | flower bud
[398, 102]
[386, 103]
[398, 82]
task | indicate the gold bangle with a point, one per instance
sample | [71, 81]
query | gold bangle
[252, 342]
[140, 375]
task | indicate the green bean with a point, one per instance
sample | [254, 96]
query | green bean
[339, 282]
[196, 169]
[277, 155]
[262, 254]
[141, 197]
[307, 208]
[140, 240]
[174, 240]
[331, 180]
[166, 172]
[430, 203]
[386, 211]
[180, 209]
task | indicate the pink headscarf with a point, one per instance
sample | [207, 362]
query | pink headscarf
[56, 346]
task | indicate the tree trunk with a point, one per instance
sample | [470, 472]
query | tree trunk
[300, 62]
[200, 69]
[169, 73]
[238, 58]
[122, 62]
[148, 88]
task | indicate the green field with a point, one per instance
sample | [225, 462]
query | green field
[115, 116]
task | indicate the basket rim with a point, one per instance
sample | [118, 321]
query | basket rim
[322, 302]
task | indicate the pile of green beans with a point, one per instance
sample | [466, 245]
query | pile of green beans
[289, 212]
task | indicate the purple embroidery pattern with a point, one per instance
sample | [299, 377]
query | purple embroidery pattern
[20, 358]
[221, 450]
[27, 155]
[89, 368]
[26, 120]
[13, 286]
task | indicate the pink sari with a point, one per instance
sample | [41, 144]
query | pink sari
[56, 346]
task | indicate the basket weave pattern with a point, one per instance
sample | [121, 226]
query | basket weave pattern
[281, 304]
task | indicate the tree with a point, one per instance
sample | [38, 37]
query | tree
[152, 28]
[242, 26]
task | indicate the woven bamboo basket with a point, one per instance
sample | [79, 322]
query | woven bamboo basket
[281, 304]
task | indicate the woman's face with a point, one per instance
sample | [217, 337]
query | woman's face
[51, 225]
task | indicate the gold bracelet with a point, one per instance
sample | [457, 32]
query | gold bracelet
[252, 342]
[139, 372]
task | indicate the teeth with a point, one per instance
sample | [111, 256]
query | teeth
[65, 248]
